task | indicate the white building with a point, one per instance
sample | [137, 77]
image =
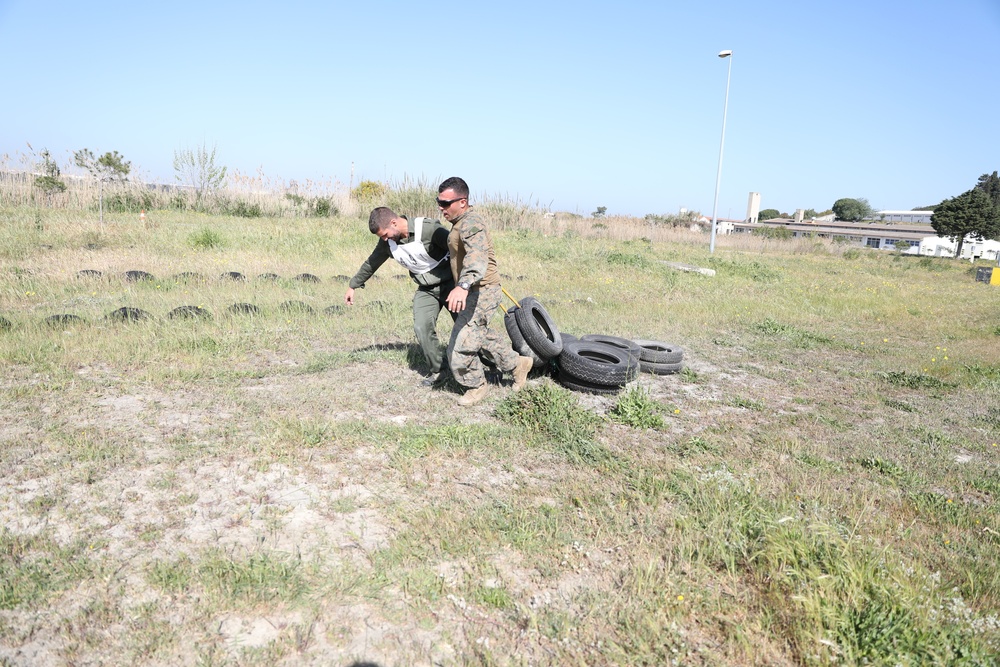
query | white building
[942, 246]
[905, 216]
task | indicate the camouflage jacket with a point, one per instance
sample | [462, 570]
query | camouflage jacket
[472, 256]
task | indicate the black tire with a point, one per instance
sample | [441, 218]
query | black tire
[624, 344]
[566, 338]
[5, 324]
[296, 308]
[597, 364]
[335, 309]
[89, 273]
[660, 369]
[517, 340]
[234, 276]
[243, 309]
[658, 352]
[129, 314]
[188, 277]
[189, 313]
[64, 319]
[574, 384]
[307, 278]
[135, 276]
[538, 329]
[272, 277]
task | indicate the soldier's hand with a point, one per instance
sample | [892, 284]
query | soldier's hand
[349, 297]
[456, 299]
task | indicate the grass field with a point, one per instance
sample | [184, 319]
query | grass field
[819, 486]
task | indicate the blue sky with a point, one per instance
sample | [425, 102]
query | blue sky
[572, 105]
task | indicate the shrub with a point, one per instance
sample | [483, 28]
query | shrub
[129, 201]
[635, 408]
[554, 414]
[205, 239]
[323, 207]
[369, 191]
[242, 209]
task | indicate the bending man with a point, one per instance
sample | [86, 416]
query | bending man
[422, 249]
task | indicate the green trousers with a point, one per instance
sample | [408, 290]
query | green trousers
[427, 305]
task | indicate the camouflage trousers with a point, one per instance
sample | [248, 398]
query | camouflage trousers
[472, 335]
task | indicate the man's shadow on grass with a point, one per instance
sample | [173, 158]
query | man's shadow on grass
[417, 363]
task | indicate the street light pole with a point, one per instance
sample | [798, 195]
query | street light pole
[722, 144]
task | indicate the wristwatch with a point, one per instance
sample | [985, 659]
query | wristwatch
[465, 284]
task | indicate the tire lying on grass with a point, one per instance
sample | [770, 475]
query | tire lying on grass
[307, 278]
[135, 276]
[243, 309]
[188, 277]
[596, 364]
[658, 352]
[296, 308]
[189, 313]
[5, 323]
[573, 384]
[63, 319]
[660, 369]
[517, 340]
[89, 273]
[627, 346]
[538, 329]
[233, 275]
[128, 314]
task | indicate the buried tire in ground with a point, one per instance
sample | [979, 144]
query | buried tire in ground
[538, 329]
[657, 352]
[517, 340]
[596, 364]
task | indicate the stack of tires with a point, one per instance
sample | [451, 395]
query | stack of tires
[595, 363]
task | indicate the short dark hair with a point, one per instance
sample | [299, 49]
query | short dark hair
[455, 183]
[380, 219]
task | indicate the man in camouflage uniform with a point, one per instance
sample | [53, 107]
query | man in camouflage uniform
[421, 247]
[476, 296]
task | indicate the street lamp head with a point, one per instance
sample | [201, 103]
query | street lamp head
[725, 54]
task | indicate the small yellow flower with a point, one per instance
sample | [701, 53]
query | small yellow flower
[946, 357]
[885, 340]
[680, 598]
[933, 359]
[677, 412]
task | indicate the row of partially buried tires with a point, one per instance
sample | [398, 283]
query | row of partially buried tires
[593, 363]
[134, 276]
[131, 314]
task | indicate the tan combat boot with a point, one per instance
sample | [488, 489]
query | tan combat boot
[473, 396]
[521, 371]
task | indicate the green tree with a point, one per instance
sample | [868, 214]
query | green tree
[852, 210]
[110, 167]
[198, 169]
[768, 214]
[599, 213]
[971, 213]
[990, 184]
[49, 182]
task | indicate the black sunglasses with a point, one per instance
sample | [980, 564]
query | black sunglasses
[445, 203]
